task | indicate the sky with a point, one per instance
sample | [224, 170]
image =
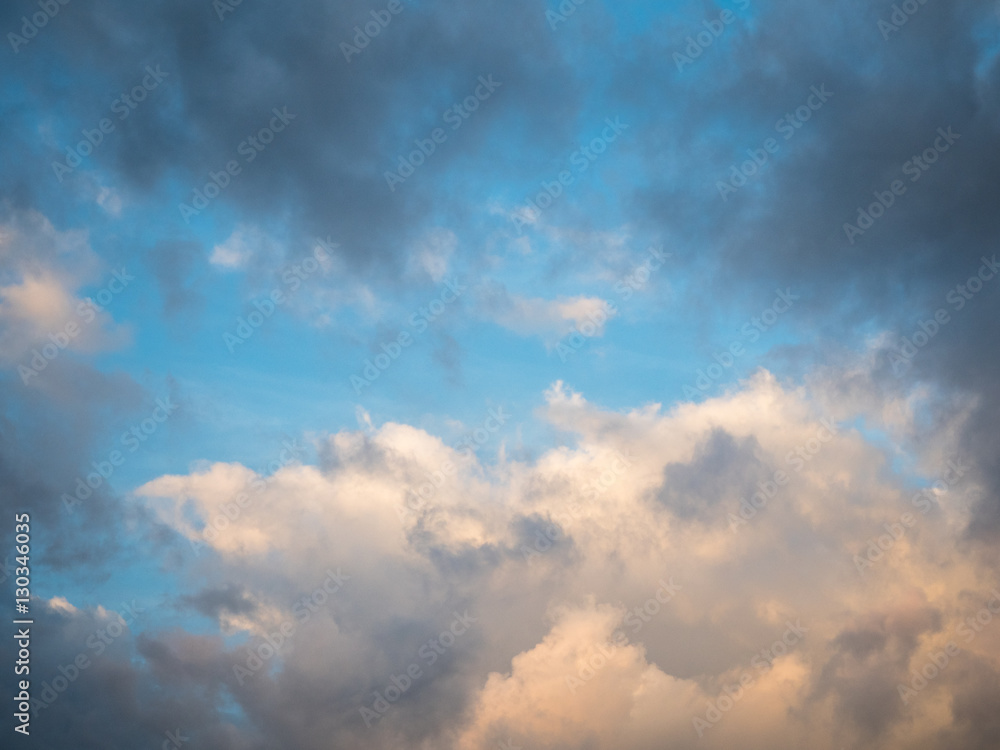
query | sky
[539, 375]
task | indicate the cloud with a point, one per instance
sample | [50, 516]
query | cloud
[554, 555]
[61, 604]
[549, 319]
[432, 254]
[787, 224]
[245, 245]
[743, 498]
[44, 269]
[547, 698]
[324, 172]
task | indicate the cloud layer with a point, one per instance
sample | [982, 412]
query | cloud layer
[706, 521]
[598, 611]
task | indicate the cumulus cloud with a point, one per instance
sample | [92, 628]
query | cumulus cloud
[552, 557]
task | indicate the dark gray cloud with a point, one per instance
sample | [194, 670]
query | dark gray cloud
[50, 434]
[870, 659]
[724, 471]
[351, 119]
[785, 226]
[213, 602]
[974, 704]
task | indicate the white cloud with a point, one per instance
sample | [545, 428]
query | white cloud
[43, 269]
[550, 319]
[61, 604]
[432, 253]
[246, 244]
[551, 555]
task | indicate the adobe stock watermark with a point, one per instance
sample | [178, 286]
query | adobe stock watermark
[131, 439]
[363, 36]
[972, 626]
[915, 168]
[637, 279]
[878, 547]
[303, 610]
[958, 296]
[581, 159]
[899, 17]
[98, 642]
[455, 116]
[174, 739]
[933, 666]
[420, 321]
[123, 106]
[30, 27]
[936, 662]
[625, 287]
[753, 330]
[222, 8]
[6, 568]
[292, 277]
[767, 489]
[636, 619]
[87, 310]
[249, 149]
[762, 661]
[429, 652]
[565, 9]
[787, 126]
[714, 28]
[232, 510]
[416, 500]
[583, 332]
